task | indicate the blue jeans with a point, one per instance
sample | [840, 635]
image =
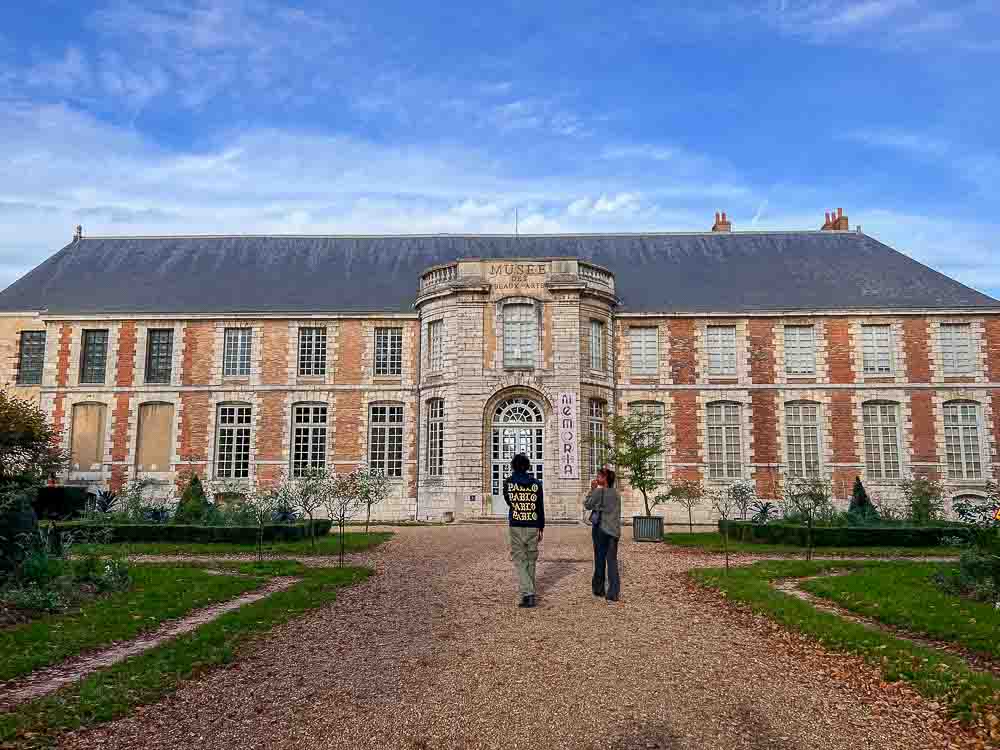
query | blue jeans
[605, 565]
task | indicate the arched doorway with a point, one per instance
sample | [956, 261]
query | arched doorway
[517, 425]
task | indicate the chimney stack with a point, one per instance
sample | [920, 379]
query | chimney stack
[836, 221]
[78, 234]
[721, 224]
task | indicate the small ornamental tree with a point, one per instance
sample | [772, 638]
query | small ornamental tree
[635, 444]
[29, 445]
[688, 494]
[862, 508]
[342, 501]
[260, 502]
[724, 502]
[924, 500]
[307, 494]
[744, 495]
[373, 488]
[809, 499]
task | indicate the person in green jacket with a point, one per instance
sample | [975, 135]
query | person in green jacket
[526, 516]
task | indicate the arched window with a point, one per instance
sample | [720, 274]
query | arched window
[802, 438]
[435, 437]
[655, 410]
[598, 434]
[385, 438]
[520, 335]
[517, 426]
[87, 444]
[154, 442]
[725, 440]
[961, 440]
[309, 428]
[881, 419]
[232, 441]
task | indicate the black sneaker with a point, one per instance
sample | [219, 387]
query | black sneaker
[524, 601]
[531, 601]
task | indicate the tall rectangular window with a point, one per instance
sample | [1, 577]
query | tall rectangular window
[654, 409]
[961, 440]
[721, 346]
[597, 435]
[388, 352]
[725, 445]
[882, 440]
[159, 354]
[802, 433]
[154, 442]
[955, 342]
[645, 349]
[385, 439]
[435, 345]
[800, 350]
[312, 352]
[520, 334]
[877, 349]
[236, 352]
[232, 442]
[597, 355]
[93, 356]
[308, 438]
[31, 358]
[435, 437]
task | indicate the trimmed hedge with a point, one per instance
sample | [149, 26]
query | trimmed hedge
[57, 503]
[843, 536]
[169, 532]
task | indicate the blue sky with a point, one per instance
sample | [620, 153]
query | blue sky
[224, 116]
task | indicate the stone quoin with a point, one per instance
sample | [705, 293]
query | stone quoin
[764, 355]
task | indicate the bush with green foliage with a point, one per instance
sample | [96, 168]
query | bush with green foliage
[862, 510]
[18, 522]
[30, 449]
[923, 500]
[845, 536]
[193, 508]
[120, 533]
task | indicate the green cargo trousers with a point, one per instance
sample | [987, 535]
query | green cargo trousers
[524, 553]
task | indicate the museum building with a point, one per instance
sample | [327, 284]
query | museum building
[764, 355]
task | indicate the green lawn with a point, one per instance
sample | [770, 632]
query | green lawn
[158, 593]
[114, 692]
[711, 541]
[969, 695]
[905, 596]
[327, 545]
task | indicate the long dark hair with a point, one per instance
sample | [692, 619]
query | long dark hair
[609, 477]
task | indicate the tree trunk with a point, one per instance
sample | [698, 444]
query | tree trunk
[312, 532]
[342, 525]
[690, 521]
[368, 519]
[645, 502]
[260, 543]
[725, 542]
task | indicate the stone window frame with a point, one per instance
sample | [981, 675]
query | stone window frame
[821, 462]
[888, 489]
[726, 476]
[897, 336]
[743, 364]
[977, 350]
[728, 395]
[135, 405]
[642, 332]
[312, 426]
[536, 307]
[805, 351]
[19, 375]
[315, 363]
[825, 445]
[390, 345]
[219, 397]
[435, 423]
[435, 345]
[662, 464]
[239, 336]
[987, 439]
[901, 447]
[141, 346]
[107, 400]
[86, 334]
[981, 438]
[370, 431]
[597, 431]
[598, 344]
[332, 342]
[75, 346]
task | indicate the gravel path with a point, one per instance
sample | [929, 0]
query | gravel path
[432, 653]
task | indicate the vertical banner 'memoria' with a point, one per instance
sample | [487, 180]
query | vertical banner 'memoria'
[569, 463]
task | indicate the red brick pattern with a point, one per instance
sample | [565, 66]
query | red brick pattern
[924, 429]
[195, 414]
[198, 360]
[686, 427]
[347, 445]
[992, 331]
[916, 344]
[271, 426]
[995, 397]
[764, 417]
[760, 335]
[838, 351]
[683, 354]
[274, 352]
[350, 351]
[126, 354]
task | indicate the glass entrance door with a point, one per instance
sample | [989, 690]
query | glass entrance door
[518, 427]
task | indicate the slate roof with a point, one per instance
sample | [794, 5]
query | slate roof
[697, 272]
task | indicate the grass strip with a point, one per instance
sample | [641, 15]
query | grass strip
[325, 546]
[937, 676]
[158, 593]
[711, 541]
[905, 596]
[114, 692]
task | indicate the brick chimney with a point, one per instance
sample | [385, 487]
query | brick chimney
[721, 224]
[836, 221]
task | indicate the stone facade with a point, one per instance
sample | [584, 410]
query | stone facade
[578, 343]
